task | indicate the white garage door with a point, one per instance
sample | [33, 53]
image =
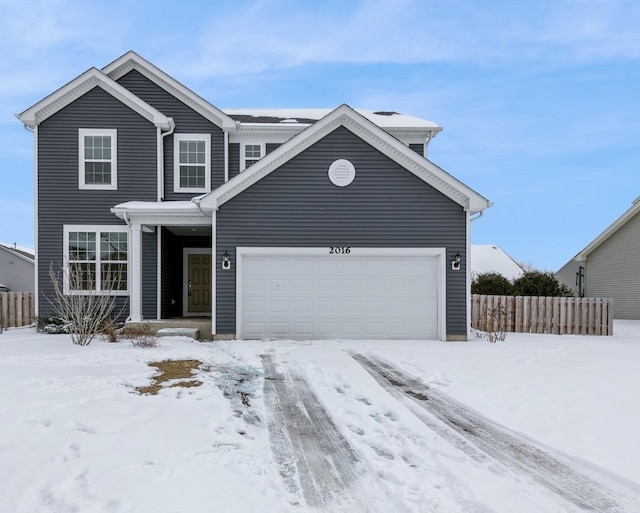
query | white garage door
[320, 296]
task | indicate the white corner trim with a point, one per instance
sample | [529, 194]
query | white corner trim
[214, 271]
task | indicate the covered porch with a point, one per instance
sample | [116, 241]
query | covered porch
[170, 264]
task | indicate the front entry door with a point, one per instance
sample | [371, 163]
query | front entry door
[198, 283]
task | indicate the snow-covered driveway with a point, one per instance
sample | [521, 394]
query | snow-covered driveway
[322, 426]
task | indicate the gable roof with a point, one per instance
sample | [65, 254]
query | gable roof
[131, 60]
[487, 258]
[347, 117]
[305, 117]
[80, 85]
[613, 228]
[25, 254]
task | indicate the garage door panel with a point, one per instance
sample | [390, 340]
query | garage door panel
[338, 296]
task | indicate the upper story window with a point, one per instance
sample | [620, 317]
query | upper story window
[98, 158]
[192, 162]
[96, 260]
[250, 153]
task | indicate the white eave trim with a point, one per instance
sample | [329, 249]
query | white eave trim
[132, 60]
[155, 213]
[617, 224]
[345, 116]
[82, 84]
[11, 251]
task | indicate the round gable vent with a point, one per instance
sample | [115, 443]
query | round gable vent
[342, 173]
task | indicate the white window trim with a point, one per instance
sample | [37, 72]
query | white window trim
[243, 157]
[176, 161]
[96, 229]
[111, 132]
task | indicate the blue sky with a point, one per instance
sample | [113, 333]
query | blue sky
[539, 100]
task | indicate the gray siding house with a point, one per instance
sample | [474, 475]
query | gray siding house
[279, 223]
[17, 271]
[610, 266]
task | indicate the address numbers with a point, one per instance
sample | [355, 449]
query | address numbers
[339, 250]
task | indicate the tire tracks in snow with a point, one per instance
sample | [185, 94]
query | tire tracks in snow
[313, 456]
[485, 441]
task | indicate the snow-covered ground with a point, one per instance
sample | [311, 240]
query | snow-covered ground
[74, 435]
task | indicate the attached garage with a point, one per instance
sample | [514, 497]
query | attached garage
[340, 292]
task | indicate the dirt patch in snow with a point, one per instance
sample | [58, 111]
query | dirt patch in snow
[173, 373]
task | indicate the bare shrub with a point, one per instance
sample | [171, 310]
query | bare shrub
[84, 310]
[497, 325]
[140, 335]
[111, 333]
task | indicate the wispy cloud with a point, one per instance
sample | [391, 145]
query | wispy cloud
[280, 34]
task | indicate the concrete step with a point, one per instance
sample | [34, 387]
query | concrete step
[193, 333]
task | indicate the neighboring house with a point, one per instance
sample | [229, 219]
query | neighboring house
[275, 223]
[489, 258]
[17, 271]
[610, 266]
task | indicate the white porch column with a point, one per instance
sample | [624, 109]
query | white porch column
[135, 272]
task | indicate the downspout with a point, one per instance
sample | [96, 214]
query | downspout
[36, 287]
[426, 142]
[226, 156]
[172, 127]
[480, 214]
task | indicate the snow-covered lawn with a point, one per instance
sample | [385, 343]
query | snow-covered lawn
[74, 435]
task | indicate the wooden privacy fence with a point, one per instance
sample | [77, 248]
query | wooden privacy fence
[552, 315]
[16, 309]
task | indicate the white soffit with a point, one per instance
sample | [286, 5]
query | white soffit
[80, 85]
[345, 116]
[132, 60]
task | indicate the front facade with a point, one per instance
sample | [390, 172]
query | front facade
[610, 266]
[16, 269]
[272, 223]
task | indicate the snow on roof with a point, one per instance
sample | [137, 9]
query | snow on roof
[157, 206]
[25, 252]
[384, 119]
[491, 258]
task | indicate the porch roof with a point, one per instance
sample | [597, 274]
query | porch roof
[154, 213]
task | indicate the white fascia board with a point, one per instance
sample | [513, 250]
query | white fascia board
[176, 213]
[381, 140]
[68, 93]
[132, 60]
[17, 254]
[615, 226]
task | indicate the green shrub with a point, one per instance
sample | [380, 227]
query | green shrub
[539, 283]
[492, 284]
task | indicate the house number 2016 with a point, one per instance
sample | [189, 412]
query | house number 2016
[339, 250]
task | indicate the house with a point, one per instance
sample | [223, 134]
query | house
[489, 258]
[286, 223]
[610, 266]
[17, 271]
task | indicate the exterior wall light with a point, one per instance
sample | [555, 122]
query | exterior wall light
[226, 261]
[455, 263]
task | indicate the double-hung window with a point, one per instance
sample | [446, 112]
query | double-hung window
[96, 259]
[251, 153]
[192, 162]
[98, 158]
